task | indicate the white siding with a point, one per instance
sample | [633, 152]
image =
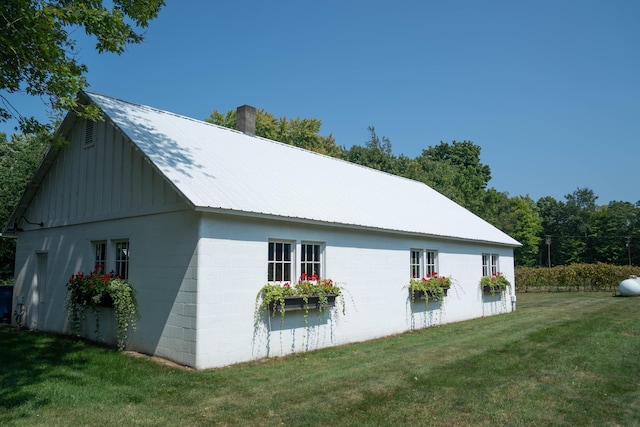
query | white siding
[162, 270]
[106, 180]
[374, 268]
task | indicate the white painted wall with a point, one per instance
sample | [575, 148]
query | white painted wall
[198, 277]
[373, 268]
[162, 270]
[106, 191]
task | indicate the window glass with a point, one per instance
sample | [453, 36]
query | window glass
[489, 264]
[122, 259]
[279, 264]
[431, 262]
[415, 264]
[100, 256]
[310, 261]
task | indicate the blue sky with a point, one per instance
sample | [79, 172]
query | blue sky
[550, 90]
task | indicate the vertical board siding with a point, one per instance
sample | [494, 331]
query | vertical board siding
[107, 179]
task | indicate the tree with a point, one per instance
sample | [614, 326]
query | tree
[19, 158]
[469, 177]
[524, 224]
[303, 133]
[552, 213]
[580, 213]
[376, 153]
[38, 55]
[617, 233]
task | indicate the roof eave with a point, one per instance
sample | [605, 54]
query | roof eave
[309, 221]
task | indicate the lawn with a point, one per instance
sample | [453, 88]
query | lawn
[560, 359]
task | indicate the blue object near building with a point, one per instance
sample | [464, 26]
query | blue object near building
[6, 303]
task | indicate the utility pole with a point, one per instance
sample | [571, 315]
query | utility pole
[547, 240]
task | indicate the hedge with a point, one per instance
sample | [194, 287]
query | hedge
[574, 277]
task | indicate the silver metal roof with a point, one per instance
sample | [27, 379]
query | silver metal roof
[221, 169]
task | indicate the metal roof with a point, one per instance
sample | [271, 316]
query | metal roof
[221, 169]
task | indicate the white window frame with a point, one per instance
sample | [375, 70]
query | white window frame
[99, 255]
[285, 250]
[317, 258]
[122, 251]
[490, 264]
[415, 263]
[431, 261]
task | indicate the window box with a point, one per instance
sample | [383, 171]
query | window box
[432, 294]
[430, 288]
[494, 284]
[297, 303]
[307, 294]
[492, 289]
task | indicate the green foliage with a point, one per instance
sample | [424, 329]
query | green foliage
[431, 287]
[574, 277]
[101, 290]
[39, 58]
[470, 175]
[582, 232]
[562, 359]
[303, 133]
[19, 158]
[273, 295]
[495, 283]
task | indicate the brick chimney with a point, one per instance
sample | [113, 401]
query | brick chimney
[246, 119]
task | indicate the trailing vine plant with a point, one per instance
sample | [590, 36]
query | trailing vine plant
[101, 290]
[432, 287]
[273, 296]
[495, 283]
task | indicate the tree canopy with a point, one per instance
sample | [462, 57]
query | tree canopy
[19, 158]
[303, 133]
[38, 56]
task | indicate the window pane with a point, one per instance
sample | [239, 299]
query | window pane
[100, 257]
[415, 264]
[122, 259]
[279, 262]
[272, 251]
[431, 262]
[286, 272]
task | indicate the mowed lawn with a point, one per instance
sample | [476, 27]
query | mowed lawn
[561, 359]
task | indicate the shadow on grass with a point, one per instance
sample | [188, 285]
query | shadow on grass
[27, 359]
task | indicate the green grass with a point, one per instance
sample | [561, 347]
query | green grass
[560, 359]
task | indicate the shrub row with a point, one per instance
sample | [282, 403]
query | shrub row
[574, 277]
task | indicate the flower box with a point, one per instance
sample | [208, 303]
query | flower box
[494, 284]
[419, 294]
[297, 303]
[492, 290]
[106, 301]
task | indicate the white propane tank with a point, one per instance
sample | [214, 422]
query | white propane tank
[629, 287]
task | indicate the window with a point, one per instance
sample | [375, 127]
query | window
[279, 265]
[122, 259]
[489, 264]
[416, 263]
[310, 262]
[100, 258]
[431, 262]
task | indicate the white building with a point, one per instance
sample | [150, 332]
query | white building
[190, 210]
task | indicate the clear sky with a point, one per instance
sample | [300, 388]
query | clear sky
[549, 89]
